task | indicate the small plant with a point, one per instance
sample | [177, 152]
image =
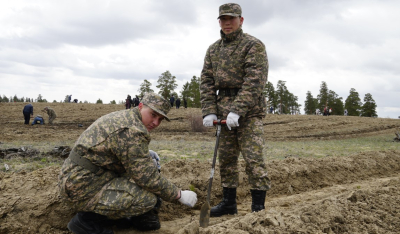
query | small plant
[44, 160]
[191, 187]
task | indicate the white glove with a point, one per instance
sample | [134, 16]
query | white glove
[232, 120]
[156, 159]
[188, 198]
[209, 119]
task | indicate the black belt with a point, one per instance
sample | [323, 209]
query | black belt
[228, 92]
[85, 163]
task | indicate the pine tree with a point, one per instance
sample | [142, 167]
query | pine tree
[323, 96]
[335, 102]
[281, 96]
[310, 104]
[185, 93]
[166, 84]
[269, 93]
[145, 88]
[191, 92]
[194, 90]
[353, 103]
[369, 107]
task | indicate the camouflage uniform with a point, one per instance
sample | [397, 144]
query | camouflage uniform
[128, 183]
[237, 66]
[51, 113]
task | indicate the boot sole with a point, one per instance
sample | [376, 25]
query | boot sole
[221, 214]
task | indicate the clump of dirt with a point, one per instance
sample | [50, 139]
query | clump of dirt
[397, 138]
[353, 194]
[18, 152]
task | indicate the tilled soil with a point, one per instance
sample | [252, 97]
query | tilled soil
[357, 193]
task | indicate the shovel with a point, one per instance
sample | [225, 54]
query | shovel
[205, 209]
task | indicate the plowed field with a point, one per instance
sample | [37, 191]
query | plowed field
[355, 192]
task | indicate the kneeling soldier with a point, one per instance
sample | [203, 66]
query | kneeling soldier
[110, 172]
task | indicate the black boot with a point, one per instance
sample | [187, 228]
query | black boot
[149, 220]
[88, 223]
[258, 197]
[227, 205]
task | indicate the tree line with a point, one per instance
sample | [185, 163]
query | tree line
[329, 99]
[279, 99]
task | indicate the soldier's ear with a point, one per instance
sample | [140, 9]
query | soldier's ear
[140, 106]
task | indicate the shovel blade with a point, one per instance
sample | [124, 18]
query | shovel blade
[205, 215]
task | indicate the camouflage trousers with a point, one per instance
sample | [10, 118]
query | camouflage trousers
[248, 140]
[119, 198]
[51, 118]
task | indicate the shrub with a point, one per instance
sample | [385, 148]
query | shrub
[196, 123]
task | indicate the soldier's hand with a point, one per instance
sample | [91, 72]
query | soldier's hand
[209, 119]
[188, 198]
[156, 159]
[232, 120]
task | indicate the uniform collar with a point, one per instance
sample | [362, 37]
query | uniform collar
[231, 36]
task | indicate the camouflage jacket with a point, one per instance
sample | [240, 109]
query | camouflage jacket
[51, 112]
[238, 61]
[117, 142]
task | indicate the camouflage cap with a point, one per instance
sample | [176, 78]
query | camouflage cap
[231, 9]
[157, 103]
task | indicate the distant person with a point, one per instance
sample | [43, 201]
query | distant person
[178, 103]
[345, 112]
[137, 100]
[271, 109]
[69, 98]
[325, 111]
[51, 113]
[38, 120]
[330, 111]
[172, 100]
[28, 112]
[112, 176]
[128, 102]
[184, 103]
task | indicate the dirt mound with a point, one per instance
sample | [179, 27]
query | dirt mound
[328, 195]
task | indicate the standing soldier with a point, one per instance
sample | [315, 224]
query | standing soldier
[234, 74]
[110, 173]
[51, 113]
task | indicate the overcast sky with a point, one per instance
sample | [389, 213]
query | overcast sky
[105, 49]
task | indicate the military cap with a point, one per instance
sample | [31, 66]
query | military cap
[231, 9]
[157, 103]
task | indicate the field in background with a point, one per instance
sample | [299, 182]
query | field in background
[285, 135]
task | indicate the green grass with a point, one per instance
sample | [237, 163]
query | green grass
[28, 164]
[204, 150]
[318, 149]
